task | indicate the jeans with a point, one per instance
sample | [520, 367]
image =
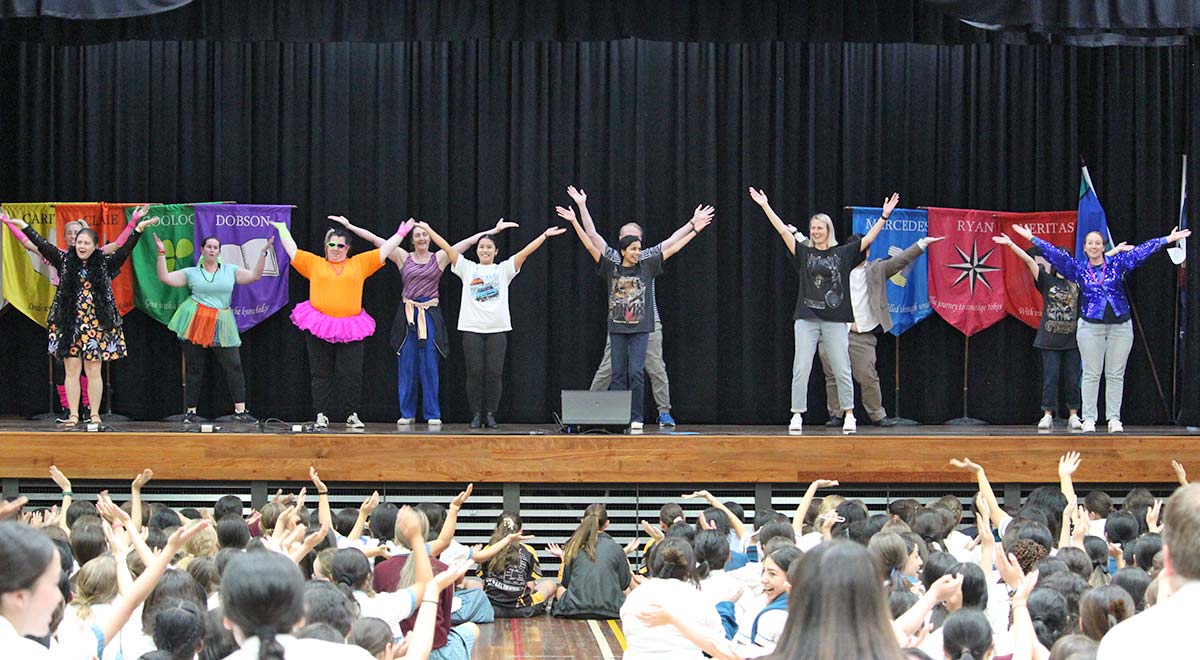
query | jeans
[628, 367]
[656, 369]
[1104, 347]
[835, 336]
[418, 364]
[1055, 364]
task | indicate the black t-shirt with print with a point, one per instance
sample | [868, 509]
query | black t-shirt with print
[630, 294]
[824, 293]
[1060, 313]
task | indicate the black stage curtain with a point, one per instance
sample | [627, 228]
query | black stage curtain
[1189, 361]
[462, 133]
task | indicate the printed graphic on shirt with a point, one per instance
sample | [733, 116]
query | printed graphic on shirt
[486, 287]
[1062, 302]
[825, 273]
[627, 302]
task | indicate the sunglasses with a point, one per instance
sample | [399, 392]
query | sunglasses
[336, 246]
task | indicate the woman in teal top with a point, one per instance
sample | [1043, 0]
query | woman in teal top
[205, 323]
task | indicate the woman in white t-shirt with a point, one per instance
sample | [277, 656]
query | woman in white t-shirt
[484, 318]
[672, 586]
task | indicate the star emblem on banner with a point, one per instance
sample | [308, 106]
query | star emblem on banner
[973, 267]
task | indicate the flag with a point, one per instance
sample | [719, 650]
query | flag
[1178, 252]
[243, 230]
[908, 290]
[176, 230]
[26, 276]
[966, 287]
[1021, 296]
[1091, 214]
[113, 222]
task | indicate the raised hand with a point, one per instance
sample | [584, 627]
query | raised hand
[1023, 232]
[1152, 517]
[503, 224]
[1177, 234]
[1068, 464]
[577, 194]
[554, 549]
[1121, 247]
[158, 243]
[632, 546]
[554, 231]
[698, 494]
[1002, 239]
[341, 220]
[567, 214]
[1180, 473]
[966, 464]
[369, 505]
[654, 532]
[316, 480]
[824, 483]
[10, 509]
[889, 204]
[1009, 568]
[422, 224]
[759, 196]
[945, 587]
[141, 226]
[1023, 588]
[462, 497]
[143, 477]
[60, 479]
[982, 511]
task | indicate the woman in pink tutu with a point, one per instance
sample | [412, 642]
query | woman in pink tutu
[333, 317]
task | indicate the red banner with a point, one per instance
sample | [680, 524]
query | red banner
[1022, 298]
[966, 285]
[108, 221]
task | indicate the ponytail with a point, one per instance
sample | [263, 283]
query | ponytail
[269, 648]
[508, 523]
[584, 538]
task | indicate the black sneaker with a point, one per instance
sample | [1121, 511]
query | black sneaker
[192, 418]
[835, 421]
[477, 421]
[244, 417]
[489, 420]
[886, 422]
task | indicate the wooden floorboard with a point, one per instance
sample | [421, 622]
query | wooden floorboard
[698, 455]
[544, 637]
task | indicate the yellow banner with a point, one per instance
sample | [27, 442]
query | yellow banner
[26, 276]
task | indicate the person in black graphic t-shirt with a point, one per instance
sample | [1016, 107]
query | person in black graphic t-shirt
[631, 302]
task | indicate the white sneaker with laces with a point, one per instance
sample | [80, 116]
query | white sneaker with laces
[797, 423]
[322, 421]
[353, 422]
[635, 426]
[1088, 426]
[850, 425]
[405, 421]
[1115, 426]
[1074, 423]
[1046, 423]
[435, 422]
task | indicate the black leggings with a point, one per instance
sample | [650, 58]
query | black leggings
[197, 363]
[484, 355]
[333, 366]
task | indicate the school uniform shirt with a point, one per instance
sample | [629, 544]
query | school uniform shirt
[510, 587]
[595, 589]
[17, 646]
[303, 649]
[722, 587]
[484, 295]
[685, 601]
[387, 579]
[1166, 631]
[824, 292]
[391, 607]
[631, 294]
[1060, 313]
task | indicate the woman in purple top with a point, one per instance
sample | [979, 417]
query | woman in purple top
[1105, 332]
[419, 333]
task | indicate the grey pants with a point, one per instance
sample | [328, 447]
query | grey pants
[656, 369]
[862, 367]
[1104, 347]
[835, 337]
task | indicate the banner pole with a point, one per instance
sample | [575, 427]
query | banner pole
[183, 387]
[897, 419]
[52, 412]
[966, 420]
[1162, 397]
[109, 415]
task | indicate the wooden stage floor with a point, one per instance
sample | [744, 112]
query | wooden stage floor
[525, 454]
[548, 637]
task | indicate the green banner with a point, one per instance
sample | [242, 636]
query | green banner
[177, 231]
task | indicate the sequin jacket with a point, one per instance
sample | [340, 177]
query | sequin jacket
[1099, 286]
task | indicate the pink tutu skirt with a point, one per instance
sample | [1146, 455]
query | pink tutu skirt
[333, 329]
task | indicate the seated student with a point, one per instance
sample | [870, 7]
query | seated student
[594, 573]
[767, 624]
[512, 579]
[669, 514]
[726, 521]
[672, 585]
[967, 634]
[712, 554]
[750, 575]
[1099, 505]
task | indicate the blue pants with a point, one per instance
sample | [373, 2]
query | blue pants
[629, 367]
[418, 364]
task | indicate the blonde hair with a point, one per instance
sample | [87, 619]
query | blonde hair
[95, 584]
[203, 544]
[323, 566]
[408, 574]
[821, 217]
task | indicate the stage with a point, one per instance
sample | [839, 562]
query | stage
[543, 455]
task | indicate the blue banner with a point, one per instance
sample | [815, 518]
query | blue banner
[908, 290]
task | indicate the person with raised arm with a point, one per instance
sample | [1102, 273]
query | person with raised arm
[823, 305]
[631, 301]
[656, 368]
[484, 319]
[333, 318]
[1105, 332]
[204, 321]
[84, 325]
[418, 331]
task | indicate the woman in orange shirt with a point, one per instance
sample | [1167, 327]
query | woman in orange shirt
[333, 317]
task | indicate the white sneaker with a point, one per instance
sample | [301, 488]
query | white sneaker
[435, 422]
[1115, 426]
[1088, 426]
[850, 425]
[1046, 423]
[322, 421]
[353, 422]
[635, 426]
[405, 421]
[797, 423]
[1074, 423]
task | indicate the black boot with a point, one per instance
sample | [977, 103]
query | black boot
[490, 421]
[477, 421]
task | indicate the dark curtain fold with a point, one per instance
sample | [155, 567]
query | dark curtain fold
[1189, 353]
[462, 133]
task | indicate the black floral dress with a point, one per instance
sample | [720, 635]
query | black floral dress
[94, 342]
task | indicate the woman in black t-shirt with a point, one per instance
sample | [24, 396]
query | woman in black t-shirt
[823, 310]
